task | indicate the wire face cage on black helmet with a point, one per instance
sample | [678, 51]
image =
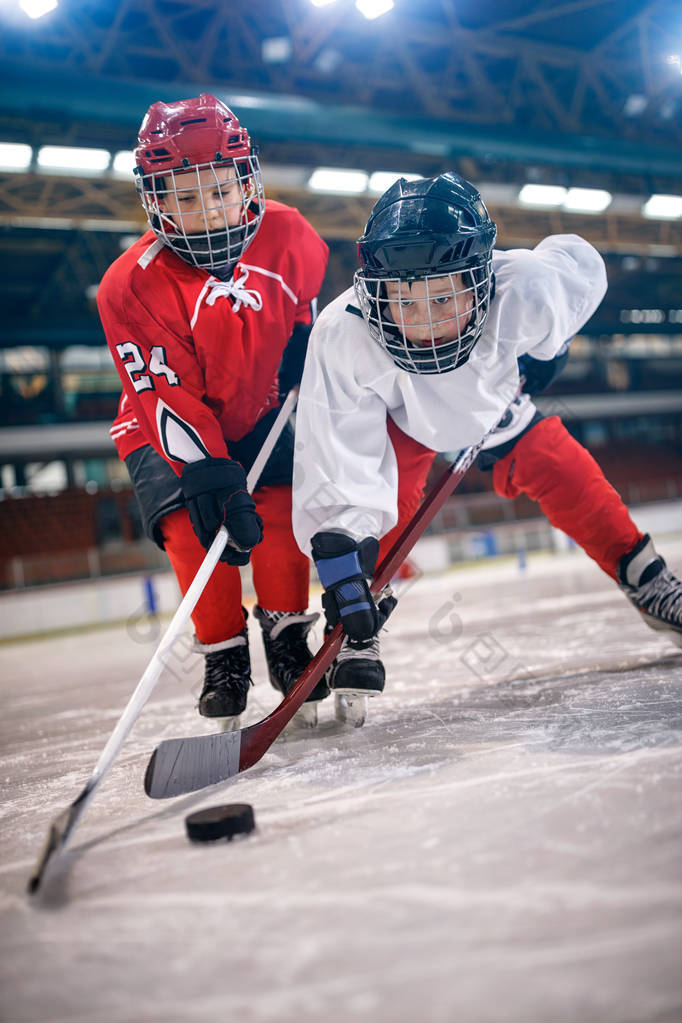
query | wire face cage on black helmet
[425, 281]
[429, 324]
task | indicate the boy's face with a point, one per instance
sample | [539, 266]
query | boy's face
[432, 311]
[203, 199]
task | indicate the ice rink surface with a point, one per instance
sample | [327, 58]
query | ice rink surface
[501, 841]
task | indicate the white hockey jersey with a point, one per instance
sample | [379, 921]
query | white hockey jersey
[345, 472]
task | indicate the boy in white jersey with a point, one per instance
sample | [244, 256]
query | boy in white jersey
[425, 354]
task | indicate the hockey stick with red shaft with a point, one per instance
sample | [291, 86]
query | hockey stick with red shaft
[62, 826]
[178, 766]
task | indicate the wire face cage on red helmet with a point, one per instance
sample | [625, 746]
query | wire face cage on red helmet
[425, 281]
[199, 181]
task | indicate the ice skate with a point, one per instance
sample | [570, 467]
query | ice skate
[286, 650]
[227, 677]
[649, 584]
[354, 677]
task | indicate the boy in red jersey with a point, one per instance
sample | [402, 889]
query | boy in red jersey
[207, 317]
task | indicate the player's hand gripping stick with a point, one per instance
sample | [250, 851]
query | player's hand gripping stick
[345, 567]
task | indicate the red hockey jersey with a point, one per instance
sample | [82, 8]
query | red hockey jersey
[198, 356]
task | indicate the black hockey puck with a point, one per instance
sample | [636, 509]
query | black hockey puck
[220, 822]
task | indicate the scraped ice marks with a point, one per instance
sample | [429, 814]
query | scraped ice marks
[633, 710]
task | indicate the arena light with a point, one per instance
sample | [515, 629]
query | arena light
[372, 9]
[380, 181]
[322, 3]
[126, 240]
[587, 200]
[542, 195]
[635, 104]
[37, 8]
[663, 207]
[332, 179]
[98, 224]
[276, 49]
[74, 158]
[124, 163]
[15, 156]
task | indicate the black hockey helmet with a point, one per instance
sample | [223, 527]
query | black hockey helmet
[422, 231]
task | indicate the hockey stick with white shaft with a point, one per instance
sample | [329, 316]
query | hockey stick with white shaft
[185, 765]
[63, 826]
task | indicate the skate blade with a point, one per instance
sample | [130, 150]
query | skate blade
[351, 708]
[231, 724]
[306, 715]
[667, 630]
[303, 720]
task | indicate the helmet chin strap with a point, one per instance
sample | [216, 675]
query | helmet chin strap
[224, 273]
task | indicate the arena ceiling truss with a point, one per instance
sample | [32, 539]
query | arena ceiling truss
[504, 91]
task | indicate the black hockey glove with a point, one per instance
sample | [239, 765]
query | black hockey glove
[343, 565]
[540, 373]
[216, 495]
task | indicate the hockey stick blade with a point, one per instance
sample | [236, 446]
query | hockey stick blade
[178, 766]
[57, 836]
[183, 765]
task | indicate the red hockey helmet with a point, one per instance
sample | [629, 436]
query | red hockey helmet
[183, 150]
[191, 131]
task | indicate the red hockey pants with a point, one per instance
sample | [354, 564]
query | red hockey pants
[552, 468]
[414, 462]
[280, 572]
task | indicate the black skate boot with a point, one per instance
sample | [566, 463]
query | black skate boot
[355, 675]
[286, 651]
[649, 584]
[227, 677]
